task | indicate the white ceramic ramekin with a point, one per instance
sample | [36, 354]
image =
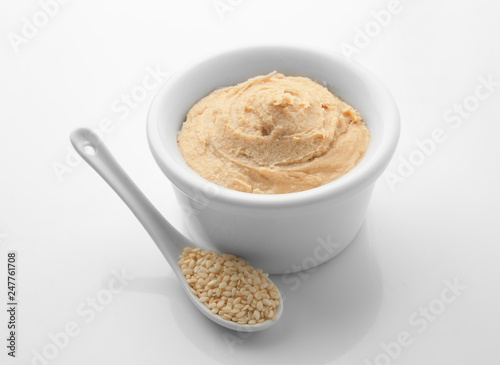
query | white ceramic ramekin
[279, 233]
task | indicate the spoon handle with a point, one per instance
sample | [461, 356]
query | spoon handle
[93, 150]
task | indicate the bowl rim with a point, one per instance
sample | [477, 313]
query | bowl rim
[351, 183]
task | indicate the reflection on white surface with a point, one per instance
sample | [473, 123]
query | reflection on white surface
[327, 311]
[440, 223]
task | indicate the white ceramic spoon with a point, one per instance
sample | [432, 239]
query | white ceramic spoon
[170, 241]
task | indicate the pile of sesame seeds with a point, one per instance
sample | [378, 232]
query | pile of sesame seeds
[229, 286]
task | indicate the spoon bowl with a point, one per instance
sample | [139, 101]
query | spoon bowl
[168, 239]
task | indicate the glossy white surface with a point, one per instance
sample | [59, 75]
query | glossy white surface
[438, 225]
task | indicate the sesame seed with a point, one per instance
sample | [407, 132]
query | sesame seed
[229, 286]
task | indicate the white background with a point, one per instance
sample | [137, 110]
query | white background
[438, 224]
